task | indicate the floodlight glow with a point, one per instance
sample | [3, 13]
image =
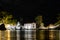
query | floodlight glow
[52, 26]
[9, 27]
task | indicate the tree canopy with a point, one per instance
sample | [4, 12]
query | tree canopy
[7, 18]
[38, 20]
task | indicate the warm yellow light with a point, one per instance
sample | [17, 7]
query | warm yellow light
[8, 34]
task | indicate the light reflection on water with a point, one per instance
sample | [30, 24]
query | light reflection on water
[30, 35]
[48, 35]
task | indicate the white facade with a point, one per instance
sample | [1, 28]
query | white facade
[30, 26]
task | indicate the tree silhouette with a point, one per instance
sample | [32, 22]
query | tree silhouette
[7, 18]
[38, 20]
[58, 18]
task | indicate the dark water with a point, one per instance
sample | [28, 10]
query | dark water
[48, 35]
[30, 35]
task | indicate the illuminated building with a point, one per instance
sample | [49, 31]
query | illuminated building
[30, 25]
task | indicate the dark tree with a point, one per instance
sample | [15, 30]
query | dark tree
[2, 27]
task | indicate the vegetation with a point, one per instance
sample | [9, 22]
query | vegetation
[7, 18]
[38, 20]
[58, 18]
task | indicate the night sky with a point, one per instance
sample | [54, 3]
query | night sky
[28, 10]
